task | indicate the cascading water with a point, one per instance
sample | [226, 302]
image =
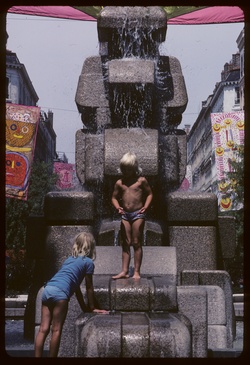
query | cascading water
[132, 40]
[132, 106]
[131, 103]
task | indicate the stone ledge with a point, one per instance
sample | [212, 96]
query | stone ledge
[18, 302]
[223, 353]
[14, 312]
[15, 307]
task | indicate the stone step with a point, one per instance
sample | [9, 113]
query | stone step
[224, 353]
[133, 335]
[239, 309]
[17, 352]
[15, 307]
[14, 312]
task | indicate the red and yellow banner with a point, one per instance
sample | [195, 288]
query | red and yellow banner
[228, 135]
[21, 130]
[65, 172]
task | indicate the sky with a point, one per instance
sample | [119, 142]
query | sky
[53, 52]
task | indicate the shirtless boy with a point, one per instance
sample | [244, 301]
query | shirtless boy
[131, 197]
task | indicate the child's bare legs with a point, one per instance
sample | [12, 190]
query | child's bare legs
[132, 235]
[126, 232]
[56, 317]
[137, 233]
[59, 314]
[43, 331]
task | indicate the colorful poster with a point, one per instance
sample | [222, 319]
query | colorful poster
[21, 130]
[187, 182]
[65, 171]
[228, 135]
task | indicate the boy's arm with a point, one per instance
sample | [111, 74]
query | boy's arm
[149, 194]
[115, 197]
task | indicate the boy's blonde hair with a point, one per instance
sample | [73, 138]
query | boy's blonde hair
[129, 159]
[84, 245]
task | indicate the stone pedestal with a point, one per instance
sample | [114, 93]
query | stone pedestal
[133, 335]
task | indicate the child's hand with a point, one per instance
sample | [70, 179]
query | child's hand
[100, 311]
[120, 210]
[142, 210]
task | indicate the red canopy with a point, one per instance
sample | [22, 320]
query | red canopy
[65, 12]
[193, 15]
[210, 15]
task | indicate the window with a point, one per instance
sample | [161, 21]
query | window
[237, 96]
[7, 87]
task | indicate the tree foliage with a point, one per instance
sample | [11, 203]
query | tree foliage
[236, 176]
[18, 272]
[235, 188]
[42, 180]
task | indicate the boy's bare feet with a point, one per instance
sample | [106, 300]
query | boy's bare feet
[122, 275]
[136, 276]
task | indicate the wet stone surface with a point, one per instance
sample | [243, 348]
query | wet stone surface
[15, 344]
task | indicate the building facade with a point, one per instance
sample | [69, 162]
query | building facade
[46, 139]
[228, 96]
[20, 90]
[240, 44]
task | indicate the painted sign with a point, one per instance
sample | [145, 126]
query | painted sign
[65, 171]
[228, 135]
[21, 129]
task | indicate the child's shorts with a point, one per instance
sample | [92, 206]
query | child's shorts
[52, 294]
[132, 216]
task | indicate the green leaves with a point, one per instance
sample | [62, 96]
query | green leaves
[42, 180]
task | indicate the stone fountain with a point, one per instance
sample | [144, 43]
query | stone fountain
[131, 98]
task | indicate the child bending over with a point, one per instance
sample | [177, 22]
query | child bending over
[59, 289]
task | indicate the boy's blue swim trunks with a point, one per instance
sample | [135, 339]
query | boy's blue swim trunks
[132, 216]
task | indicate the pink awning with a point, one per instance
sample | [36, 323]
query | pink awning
[64, 12]
[208, 15]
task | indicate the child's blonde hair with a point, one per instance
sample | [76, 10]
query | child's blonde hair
[84, 245]
[129, 159]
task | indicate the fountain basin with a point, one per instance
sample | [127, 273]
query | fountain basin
[133, 335]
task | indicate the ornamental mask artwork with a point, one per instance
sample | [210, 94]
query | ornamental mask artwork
[21, 128]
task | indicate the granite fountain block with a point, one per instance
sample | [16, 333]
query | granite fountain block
[133, 335]
[179, 102]
[195, 247]
[227, 235]
[69, 207]
[91, 89]
[192, 302]
[108, 261]
[219, 278]
[170, 336]
[116, 18]
[58, 246]
[120, 141]
[94, 157]
[135, 71]
[192, 207]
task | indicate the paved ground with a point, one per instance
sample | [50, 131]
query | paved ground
[17, 346]
[238, 342]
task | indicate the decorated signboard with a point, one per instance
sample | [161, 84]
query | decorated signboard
[65, 172]
[21, 130]
[228, 136]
